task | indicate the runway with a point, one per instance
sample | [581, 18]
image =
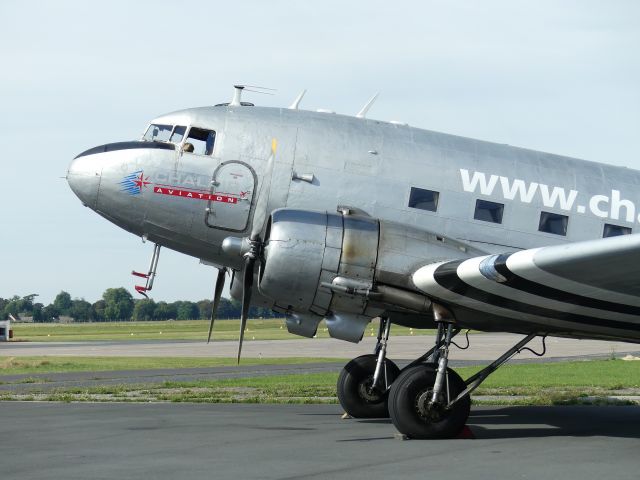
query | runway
[189, 441]
[484, 347]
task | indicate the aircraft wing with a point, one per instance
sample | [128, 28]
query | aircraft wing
[589, 286]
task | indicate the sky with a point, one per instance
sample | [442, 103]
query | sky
[562, 77]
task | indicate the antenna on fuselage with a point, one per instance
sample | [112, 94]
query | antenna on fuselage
[237, 96]
[296, 102]
[363, 113]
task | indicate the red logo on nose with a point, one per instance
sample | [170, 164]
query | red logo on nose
[134, 182]
[141, 181]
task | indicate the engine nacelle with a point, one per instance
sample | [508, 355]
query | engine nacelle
[306, 249]
[346, 268]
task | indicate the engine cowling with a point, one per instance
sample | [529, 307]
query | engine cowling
[345, 267]
[305, 250]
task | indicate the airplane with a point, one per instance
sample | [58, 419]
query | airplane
[322, 216]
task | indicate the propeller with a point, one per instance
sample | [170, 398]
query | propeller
[247, 288]
[256, 243]
[222, 272]
[260, 214]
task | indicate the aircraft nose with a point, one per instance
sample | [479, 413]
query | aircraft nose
[83, 177]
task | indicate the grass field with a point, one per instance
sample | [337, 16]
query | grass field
[525, 384]
[52, 364]
[271, 329]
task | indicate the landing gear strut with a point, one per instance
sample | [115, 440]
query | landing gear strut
[363, 384]
[419, 399]
[429, 400]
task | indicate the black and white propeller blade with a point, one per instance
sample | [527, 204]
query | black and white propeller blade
[222, 272]
[256, 243]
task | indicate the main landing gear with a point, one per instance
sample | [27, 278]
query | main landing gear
[363, 384]
[427, 399]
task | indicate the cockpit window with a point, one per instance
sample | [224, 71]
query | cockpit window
[200, 141]
[158, 133]
[178, 133]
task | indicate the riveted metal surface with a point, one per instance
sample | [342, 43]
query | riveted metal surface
[336, 150]
[298, 261]
[334, 231]
[293, 257]
[348, 303]
[237, 177]
[404, 248]
[359, 247]
[323, 297]
[303, 225]
[331, 260]
[358, 260]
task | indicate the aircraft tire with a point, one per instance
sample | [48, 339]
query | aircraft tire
[407, 407]
[353, 381]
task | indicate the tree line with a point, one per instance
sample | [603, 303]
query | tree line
[119, 304]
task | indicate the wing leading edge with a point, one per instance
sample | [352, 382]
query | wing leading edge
[587, 289]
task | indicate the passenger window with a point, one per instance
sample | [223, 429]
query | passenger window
[615, 230]
[423, 199]
[200, 141]
[488, 211]
[178, 134]
[158, 133]
[553, 223]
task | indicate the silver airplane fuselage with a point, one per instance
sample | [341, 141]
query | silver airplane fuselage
[192, 201]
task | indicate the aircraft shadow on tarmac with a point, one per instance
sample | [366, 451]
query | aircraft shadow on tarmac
[553, 421]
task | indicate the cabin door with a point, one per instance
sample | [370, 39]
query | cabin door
[232, 192]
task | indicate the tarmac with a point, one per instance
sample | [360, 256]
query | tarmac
[484, 347]
[191, 441]
[168, 440]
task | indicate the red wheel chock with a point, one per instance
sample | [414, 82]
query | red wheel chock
[466, 434]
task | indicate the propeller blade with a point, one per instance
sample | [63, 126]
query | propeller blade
[253, 255]
[247, 288]
[260, 215]
[222, 272]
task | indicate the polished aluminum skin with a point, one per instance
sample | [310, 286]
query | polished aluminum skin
[339, 194]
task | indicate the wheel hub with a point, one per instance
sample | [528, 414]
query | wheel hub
[367, 393]
[427, 409]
